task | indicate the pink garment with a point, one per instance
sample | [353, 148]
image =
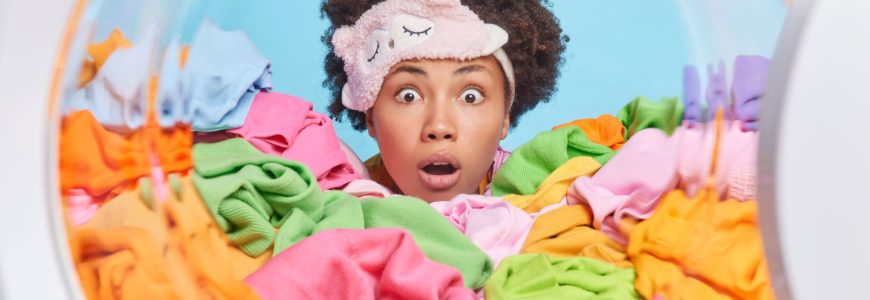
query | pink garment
[736, 174]
[286, 126]
[80, 206]
[501, 155]
[630, 184]
[357, 264]
[362, 188]
[495, 226]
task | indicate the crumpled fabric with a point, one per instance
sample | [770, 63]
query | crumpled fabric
[700, 248]
[97, 161]
[287, 126]
[117, 95]
[194, 253]
[252, 194]
[172, 107]
[357, 264]
[642, 113]
[737, 174]
[630, 184]
[532, 162]
[555, 187]
[538, 276]
[496, 226]
[220, 94]
[566, 231]
[120, 263]
[606, 130]
[99, 53]
[366, 188]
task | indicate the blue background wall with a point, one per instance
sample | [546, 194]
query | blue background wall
[618, 49]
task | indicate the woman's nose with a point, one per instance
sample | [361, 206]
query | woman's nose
[439, 126]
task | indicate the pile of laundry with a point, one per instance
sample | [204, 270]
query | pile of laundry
[200, 182]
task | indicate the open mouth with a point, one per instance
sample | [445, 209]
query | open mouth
[439, 171]
[440, 168]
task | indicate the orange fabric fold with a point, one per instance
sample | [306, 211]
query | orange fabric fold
[606, 130]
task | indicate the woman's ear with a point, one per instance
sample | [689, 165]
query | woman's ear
[370, 125]
[505, 125]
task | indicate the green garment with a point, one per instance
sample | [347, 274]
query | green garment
[250, 194]
[436, 236]
[642, 113]
[532, 162]
[539, 276]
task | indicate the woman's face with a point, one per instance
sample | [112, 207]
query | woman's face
[438, 124]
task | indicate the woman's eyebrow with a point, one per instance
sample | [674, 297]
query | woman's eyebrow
[470, 69]
[409, 69]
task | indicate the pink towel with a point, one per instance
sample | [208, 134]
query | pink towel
[357, 264]
[495, 226]
[630, 184]
[286, 126]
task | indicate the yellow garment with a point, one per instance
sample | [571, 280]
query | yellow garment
[195, 255]
[700, 249]
[556, 185]
[606, 130]
[120, 263]
[567, 232]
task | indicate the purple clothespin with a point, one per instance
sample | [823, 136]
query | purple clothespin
[750, 78]
[692, 96]
[717, 91]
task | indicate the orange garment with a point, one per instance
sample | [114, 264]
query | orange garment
[606, 130]
[197, 258]
[120, 263]
[556, 185]
[567, 232]
[173, 146]
[700, 249]
[99, 161]
[99, 53]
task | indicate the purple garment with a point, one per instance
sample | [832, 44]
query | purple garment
[750, 77]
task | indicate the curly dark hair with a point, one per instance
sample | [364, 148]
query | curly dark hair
[535, 46]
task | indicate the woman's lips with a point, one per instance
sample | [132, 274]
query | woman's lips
[439, 181]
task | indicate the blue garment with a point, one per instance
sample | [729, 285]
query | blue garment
[118, 94]
[172, 107]
[224, 72]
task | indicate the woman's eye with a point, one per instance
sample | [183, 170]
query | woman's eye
[408, 95]
[471, 96]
